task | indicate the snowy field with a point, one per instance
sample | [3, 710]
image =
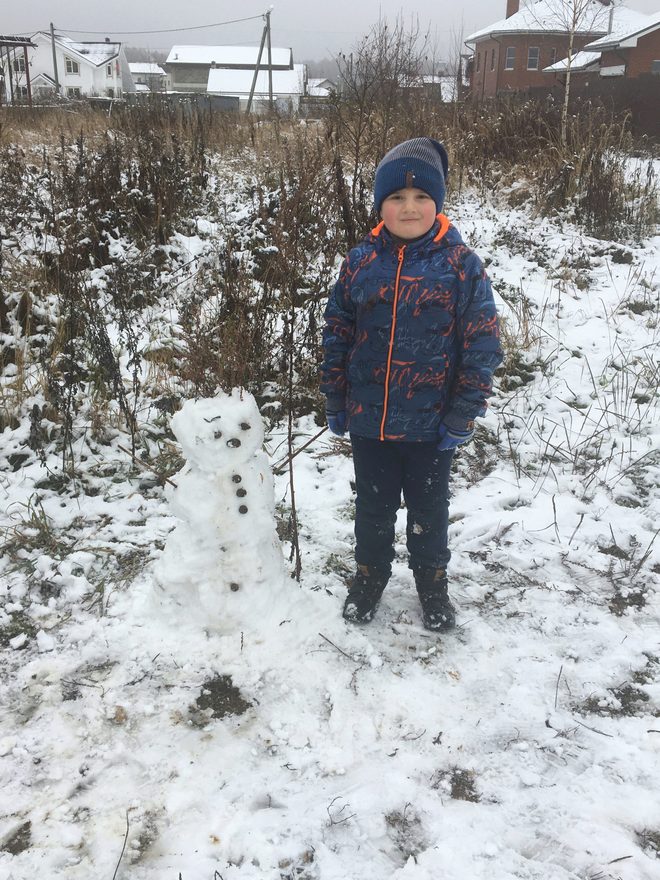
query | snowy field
[140, 740]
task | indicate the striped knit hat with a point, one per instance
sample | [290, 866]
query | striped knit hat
[420, 162]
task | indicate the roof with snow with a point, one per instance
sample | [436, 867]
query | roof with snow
[627, 33]
[550, 16]
[146, 68]
[10, 41]
[95, 53]
[319, 87]
[579, 61]
[237, 83]
[230, 56]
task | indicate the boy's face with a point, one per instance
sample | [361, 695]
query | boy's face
[408, 213]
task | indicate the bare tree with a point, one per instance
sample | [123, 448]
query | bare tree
[372, 78]
[573, 17]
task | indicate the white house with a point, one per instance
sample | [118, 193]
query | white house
[318, 87]
[188, 67]
[83, 68]
[147, 76]
[288, 87]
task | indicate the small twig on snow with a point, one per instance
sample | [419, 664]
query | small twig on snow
[410, 737]
[557, 685]
[576, 529]
[593, 729]
[337, 648]
[281, 465]
[123, 849]
[333, 820]
[146, 467]
[554, 508]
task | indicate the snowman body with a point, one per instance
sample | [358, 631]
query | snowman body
[223, 560]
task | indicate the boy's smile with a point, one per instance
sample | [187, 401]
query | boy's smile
[408, 213]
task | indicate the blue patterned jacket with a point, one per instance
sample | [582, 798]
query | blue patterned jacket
[411, 337]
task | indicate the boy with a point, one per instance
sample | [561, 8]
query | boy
[410, 343]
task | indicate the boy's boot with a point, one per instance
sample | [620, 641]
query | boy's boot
[438, 613]
[364, 594]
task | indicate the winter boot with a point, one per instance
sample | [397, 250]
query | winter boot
[438, 613]
[364, 594]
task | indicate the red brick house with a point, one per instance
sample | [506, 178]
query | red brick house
[632, 52]
[511, 54]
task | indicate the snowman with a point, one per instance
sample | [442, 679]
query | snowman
[223, 564]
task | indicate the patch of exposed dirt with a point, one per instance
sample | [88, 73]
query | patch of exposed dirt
[460, 784]
[19, 840]
[219, 698]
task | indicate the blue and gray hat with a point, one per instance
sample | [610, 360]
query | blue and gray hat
[420, 162]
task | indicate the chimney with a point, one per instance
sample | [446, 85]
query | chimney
[512, 6]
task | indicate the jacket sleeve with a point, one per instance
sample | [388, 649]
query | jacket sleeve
[338, 336]
[479, 350]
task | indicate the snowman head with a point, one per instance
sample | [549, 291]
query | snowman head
[219, 433]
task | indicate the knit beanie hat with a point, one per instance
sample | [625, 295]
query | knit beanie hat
[420, 162]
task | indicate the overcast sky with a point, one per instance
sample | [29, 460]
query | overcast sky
[313, 30]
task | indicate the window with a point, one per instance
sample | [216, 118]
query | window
[108, 70]
[19, 64]
[21, 91]
[478, 61]
[71, 66]
[492, 59]
[109, 93]
[533, 58]
[510, 58]
[655, 67]
[73, 92]
[553, 56]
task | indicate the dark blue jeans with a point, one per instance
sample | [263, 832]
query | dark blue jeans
[385, 469]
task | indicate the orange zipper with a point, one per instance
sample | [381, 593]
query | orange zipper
[392, 332]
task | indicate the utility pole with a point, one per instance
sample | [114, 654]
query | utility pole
[27, 75]
[270, 62]
[52, 43]
[10, 60]
[256, 69]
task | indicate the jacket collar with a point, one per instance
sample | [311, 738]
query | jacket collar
[382, 237]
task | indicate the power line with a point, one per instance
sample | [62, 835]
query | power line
[197, 27]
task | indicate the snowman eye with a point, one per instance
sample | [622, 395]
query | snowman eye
[245, 426]
[217, 434]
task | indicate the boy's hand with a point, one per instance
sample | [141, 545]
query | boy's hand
[337, 422]
[450, 439]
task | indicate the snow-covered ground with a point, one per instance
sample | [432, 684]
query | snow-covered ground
[136, 740]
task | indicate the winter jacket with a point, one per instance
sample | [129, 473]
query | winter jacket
[411, 337]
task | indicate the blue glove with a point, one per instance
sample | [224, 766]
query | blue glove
[337, 422]
[450, 439]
